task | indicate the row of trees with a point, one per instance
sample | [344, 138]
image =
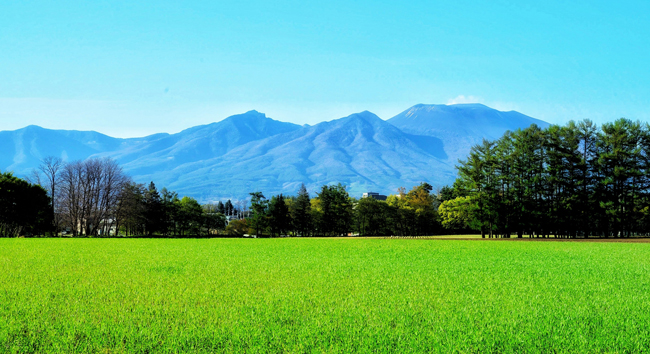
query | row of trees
[576, 180]
[94, 198]
[145, 211]
[334, 213]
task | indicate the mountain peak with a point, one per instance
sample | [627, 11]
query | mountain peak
[450, 107]
[461, 125]
[250, 115]
[365, 115]
[470, 106]
[253, 113]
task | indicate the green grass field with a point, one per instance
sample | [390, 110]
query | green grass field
[322, 295]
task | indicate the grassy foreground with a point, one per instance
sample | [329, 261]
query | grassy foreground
[322, 295]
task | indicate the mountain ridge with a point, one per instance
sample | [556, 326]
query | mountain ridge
[249, 151]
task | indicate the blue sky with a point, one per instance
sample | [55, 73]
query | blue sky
[135, 68]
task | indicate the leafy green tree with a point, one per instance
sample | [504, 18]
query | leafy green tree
[403, 215]
[460, 213]
[422, 201]
[259, 220]
[447, 193]
[337, 213]
[316, 216]
[373, 217]
[237, 228]
[190, 217]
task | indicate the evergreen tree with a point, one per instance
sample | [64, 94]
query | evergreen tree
[336, 209]
[587, 135]
[259, 220]
[153, 210]
[230, 209]
[279, 216]
[620, 174]
[568, 181]
[25, 208]
[478, 176]
[170, 212]
[131, 209]
[221, 208]
[301, 212]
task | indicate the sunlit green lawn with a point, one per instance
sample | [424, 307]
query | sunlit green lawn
[315, 295]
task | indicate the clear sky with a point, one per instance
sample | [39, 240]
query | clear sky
[133, 68]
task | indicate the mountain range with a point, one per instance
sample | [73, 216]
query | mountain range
[250, 152]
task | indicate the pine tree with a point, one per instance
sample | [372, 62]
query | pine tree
[279, 216]
[301, 212]
[230, 209]
[478, 176]
[221, 208]
[259, 219]
[336, 210]
[153, 210]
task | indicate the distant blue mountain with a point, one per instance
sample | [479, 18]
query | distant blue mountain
[250, 152]
[22, 150]
[198, 143]
[461, 126]
[361, 151]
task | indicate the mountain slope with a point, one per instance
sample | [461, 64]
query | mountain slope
[198, 143]
[361, 151]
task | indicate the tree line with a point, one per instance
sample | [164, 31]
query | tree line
[95, 197]
[576, 180]
[333, 212]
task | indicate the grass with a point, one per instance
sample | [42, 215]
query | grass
[322, 295]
